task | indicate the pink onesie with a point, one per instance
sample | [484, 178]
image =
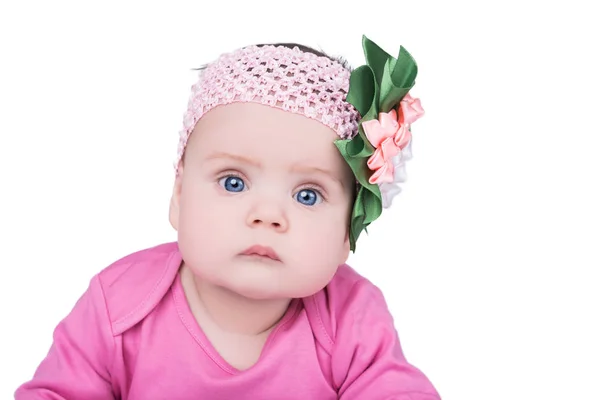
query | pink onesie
[132, 336]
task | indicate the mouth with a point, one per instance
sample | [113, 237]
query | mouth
[261, 252]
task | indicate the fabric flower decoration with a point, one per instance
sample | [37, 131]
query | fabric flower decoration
[378, 90]
[390, 136]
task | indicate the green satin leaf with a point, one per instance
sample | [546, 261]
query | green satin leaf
[372, 113]
[363, 94]
[357, 147]
[353, 149]
[367, 206]
[398, 78]
[356, 161]
[366, 210]
[375, 57]
[405, 70]
[362, 89]
[358, 216]
[356, 153]
[373, 206]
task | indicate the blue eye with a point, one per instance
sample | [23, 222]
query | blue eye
[232, 183]
[308, 197]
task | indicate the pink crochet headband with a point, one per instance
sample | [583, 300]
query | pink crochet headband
[278, 76]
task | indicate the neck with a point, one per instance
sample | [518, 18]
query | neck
[230, 311]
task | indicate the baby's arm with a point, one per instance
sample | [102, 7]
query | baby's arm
[77, 365]
[368, 362]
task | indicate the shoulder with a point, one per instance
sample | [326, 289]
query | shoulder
[133, 285]
[357, 330]
[346, 300]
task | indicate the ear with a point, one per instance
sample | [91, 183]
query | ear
[175, 197]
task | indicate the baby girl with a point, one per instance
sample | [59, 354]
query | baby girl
[285, 156]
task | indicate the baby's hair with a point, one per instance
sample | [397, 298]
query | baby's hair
[307, 49]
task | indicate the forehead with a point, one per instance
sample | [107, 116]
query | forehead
[266, 134]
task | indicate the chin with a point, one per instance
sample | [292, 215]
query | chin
[265, 289]
[288, 290]
[255, 290]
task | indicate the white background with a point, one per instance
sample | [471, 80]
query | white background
[489, 259]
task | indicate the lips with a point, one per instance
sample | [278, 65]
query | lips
[261, 251]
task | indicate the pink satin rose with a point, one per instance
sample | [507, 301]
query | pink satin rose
[389, 135]
[381, 134]
[411, 110]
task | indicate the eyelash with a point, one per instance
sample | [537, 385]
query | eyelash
[232, 174]
[310, 186]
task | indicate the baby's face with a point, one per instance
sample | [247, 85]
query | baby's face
[258, 176]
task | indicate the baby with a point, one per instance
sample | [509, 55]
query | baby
[285, 157]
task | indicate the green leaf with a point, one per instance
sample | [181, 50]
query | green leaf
[366, 210]
[357, 221]
[375, 56]
[398, 78]
[372, 205]
[405, 70]
[356, 159]
[367, 206]
[362, 89]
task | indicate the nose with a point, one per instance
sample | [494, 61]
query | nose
[268, 216]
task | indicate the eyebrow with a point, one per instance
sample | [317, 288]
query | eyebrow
[296, 168]
[235, 157]
[309, 170]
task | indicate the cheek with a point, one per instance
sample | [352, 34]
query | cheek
[327, 234]
[319, 251]
[204, 221]
[194, 205]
